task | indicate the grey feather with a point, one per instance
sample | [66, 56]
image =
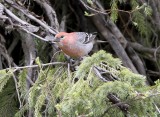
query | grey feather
[85, 38]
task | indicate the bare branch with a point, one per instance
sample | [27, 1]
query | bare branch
[34, 66]
[51, 14]
[63, 20]
[30, 16]
[140, 48]
[18, 93]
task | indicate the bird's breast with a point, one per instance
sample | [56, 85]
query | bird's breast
[76, 50]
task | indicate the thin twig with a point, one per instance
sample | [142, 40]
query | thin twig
[155, 53]
[33, 66]
[98, 74]
[109, 10]
[18, 94]
[88, 7]
[69, 73]
[55, 54]
[41, 38]
[156, 108]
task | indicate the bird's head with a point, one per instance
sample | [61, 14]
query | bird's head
[60, 36]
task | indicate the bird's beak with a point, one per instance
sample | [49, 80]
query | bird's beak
[56, 39]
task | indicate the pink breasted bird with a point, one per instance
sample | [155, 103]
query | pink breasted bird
[75, 44]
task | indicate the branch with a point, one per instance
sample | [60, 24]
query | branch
[64, 19]
[158, 110]
[51, 14]
[18, 93]
[41, 38]
[30, 16]
[13, 45]
[116, 102]
[34, 66]
[4, 53]
[15, 17]
[104, 74]
[25, 26]
[140, 48]
[153, 73]
[98, 74]
[88, 7]
[136, 60]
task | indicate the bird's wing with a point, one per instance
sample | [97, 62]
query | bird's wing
[85, 38]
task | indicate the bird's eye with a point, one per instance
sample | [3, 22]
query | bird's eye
[62, 37]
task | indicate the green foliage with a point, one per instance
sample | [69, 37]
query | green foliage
[43, 50]
[4, 77]
[122, 1]
[139, 18]
[39, 104]
[114, 10]
[22, 110]
[55, 93]
[139, 14]
[50, 83]
[37, 60]
[97, 59]
[88, 14]
[90, 2]
[22, 84]
[148, 10]
[136, 80]
[8, 102]
[88, 95]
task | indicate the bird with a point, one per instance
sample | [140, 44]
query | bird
[75, 44]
